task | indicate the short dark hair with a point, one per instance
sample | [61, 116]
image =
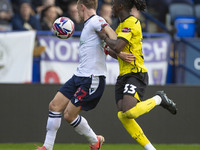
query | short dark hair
[90, 4]
[129, 4]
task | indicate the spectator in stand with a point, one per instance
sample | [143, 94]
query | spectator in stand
[101, 2]
[74, 16]
[49, 15]
[63, 4]
[108, 1]
[106, 12]
[197, 14]
[196, 1]
[135, 12]
[182, 1]
[24, 20]
[15, 5]
[45, 3]
[159, 9]
[6, 13]
[35, 4]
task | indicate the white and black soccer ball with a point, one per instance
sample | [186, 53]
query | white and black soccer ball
[63, 27]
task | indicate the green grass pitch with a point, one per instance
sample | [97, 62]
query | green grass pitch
[104, 147]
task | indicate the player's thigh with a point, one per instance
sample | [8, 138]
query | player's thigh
[89, 92]
[129, 90]
[128, 102]
[59, 103]
[71, 112]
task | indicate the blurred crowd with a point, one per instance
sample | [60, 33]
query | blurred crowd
[40, 14]
[160, 10]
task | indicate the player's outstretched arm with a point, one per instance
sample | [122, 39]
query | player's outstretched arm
[116, 44]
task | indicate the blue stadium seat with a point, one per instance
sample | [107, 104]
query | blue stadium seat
[185, 26]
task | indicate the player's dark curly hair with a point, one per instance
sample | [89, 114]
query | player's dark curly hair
[129, 4]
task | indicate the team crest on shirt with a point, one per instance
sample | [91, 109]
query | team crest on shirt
[126, 30]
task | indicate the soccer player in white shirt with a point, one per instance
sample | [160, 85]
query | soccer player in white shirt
[84, 90]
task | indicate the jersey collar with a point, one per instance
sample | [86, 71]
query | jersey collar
[88, 18]
[126, 18]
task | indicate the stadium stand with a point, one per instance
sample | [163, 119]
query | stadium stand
[180, 9]
[197, 15]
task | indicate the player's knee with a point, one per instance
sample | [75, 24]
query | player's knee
[120, 115]
[132, 113]
[53, 107]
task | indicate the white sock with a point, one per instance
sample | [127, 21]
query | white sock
[82, 127]
[157, 99]
[149, 146]
[53, 124]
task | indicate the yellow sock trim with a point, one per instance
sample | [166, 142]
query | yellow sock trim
[133, 129]
[141, 108]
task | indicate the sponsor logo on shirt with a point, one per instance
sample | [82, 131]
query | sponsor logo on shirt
[101, 20]
[126, 30]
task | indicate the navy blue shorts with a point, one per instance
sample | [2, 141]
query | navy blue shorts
[84, 91]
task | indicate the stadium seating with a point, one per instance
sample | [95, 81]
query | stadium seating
[197, 10]
[185, 26]
[183, 17]
[197, 15]
[180, 9]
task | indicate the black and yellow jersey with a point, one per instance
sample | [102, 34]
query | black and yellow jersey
[130, 31]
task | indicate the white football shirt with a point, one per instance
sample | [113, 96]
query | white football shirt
[91, 52]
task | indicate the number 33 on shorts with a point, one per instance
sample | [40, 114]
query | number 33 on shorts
[129, 88]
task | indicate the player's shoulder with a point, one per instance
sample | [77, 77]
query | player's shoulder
[132, 23]
[131, 20]
[97, 21]
[98, 18]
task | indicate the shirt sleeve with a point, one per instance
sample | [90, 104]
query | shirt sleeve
[97, 24]
[125, 32]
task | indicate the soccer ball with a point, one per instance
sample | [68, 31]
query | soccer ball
[63, 27]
